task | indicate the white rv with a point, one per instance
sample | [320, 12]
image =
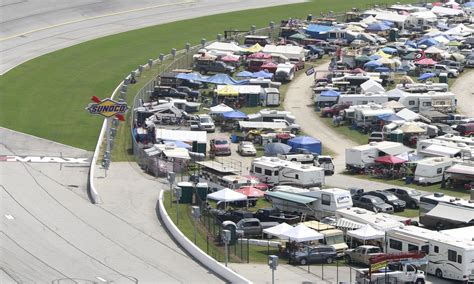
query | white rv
[431, 170]
[270, 97]
[285, 72]
[469, 141]
[269, 115]
[363, 99]
[359, 157]
[349, 113]
[318, 203]
[440, 148]
[366, 116]
[449, 257]
[444, 102]
[275, 171]
[355, 217]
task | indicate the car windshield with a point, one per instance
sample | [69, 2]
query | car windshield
[414, 192]
[377, 200]
[205, 119]
[332, 240]
[221, 142]
[391, 197]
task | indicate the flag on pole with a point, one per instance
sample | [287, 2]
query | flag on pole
[310, 71]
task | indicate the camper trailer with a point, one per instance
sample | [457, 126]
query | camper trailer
[439, 211]
[285, 72]
[355, 217]
[449, 257]
[417, 102]
[366, 117]
[269, 115]
[363, 99]
[432, 170]
[440, 148]
[359, 157]
[270, 97]
[316, 204]
[276, 171]
[469, 141]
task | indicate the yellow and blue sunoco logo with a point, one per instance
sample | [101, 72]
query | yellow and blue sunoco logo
[107, 107]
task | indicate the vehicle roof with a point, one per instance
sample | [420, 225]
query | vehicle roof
[367, 246]
[290, 197]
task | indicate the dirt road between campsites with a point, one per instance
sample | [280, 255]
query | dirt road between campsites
[463, 88]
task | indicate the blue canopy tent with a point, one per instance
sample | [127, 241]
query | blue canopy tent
[318, 31]
[330, 93]
[411, 43]
[309, 143]
[389, 50]
[224, 79]
[382, 69]
[426, 76]
[262, 74]
[378, 27]
[245, 74]
[235, 114]
[273, 149]
[373, 64]
[178, 144]
[194, 76]
[375, 57]
[469, 5]
[428, 42]
[390, 117]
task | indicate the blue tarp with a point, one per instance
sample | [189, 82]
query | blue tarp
[411, 43]
[245, 74]
[191, 76]
[179, 144]
[262, 74]
[373, 64]
[235, 114]
[306, 142]
[389, 117]
[330, 93]
[375, 56]
[223, 79]
[314, 30]
[377, 27]
[389, 50]
[469, 5]
[390, 24]
[426, 76]
[273, 149]
[428, 42]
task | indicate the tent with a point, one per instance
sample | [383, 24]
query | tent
[389, 50]
[302, 233]
[298, 36]
[277, 230]
[255, 48]
[330, 93]
[235, 114]
[375, 56]
[227, 195]
[382, 69]
[426, 76]
[428, 42]
[273, 149]
[363, 58]
[178, 144]
[194, 76]
[383, 54]
[426, 61]
[269, 65]
[245, 74]
[390, 160]
[259, 55]
[315, 31]
[262, 74]
[397, 93]
[367, 232]
[411, 128]
[469, 4]
[393, 104]
[225, 46]
[251, 192]
[230, 58]
[223, 79]
[227, 91]
[306, 142]
[219, 109]
[377, 27]
[391, 117]
[408, 115]
[372, 64]
[371, 86]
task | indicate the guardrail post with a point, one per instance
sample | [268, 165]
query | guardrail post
[253, 28]
[161, 57]
[140, 69]
[219, 37]
[173, 52]
[272, 28]
[203, 42]
[187, 46]
[150, 63]
[309, 18]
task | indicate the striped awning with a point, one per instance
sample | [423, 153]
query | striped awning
[343, 223]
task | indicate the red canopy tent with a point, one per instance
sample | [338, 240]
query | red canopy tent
[358, 70]
[426, 61]
[270, 66]
[390, 160]
[260, 55]
[230, 58]
[251, 191]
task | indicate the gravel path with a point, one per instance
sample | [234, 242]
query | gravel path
[464, 91]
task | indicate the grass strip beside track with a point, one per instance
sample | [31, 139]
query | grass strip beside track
[46, 96]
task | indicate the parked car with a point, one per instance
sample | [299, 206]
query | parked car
[220, 146]
[453, 64]
[410, 196]
[326, 46]
[167, 92]
[376, 136]
[379, 39]
[190, 93]
[249, 226]
[299, 64]
[445, 129]
[319, 254]
[275, 215]
[334, 110]
[362, 254]
[246, 148]
[390, 198]
[203, 122]
[470, 61]
[371, 203]
[300, 155]
[206, 65]
[438, 69]
[358, 43]
[466, 129]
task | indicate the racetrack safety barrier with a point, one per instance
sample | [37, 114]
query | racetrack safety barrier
[195, 251]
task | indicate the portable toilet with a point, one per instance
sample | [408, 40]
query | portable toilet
[199, 147]
[202, 189]
[393, 34]
[396, 136]
[187, 189]
[443, 78]
[253, 100]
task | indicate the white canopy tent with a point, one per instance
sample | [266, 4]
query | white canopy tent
[219, 109]
[408, 115]
[302, 233]
[367, 232]
[278, 230]
[371, 86]
[225, 46]
[227, 195]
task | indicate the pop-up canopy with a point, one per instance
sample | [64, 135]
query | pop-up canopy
[301, 233]
[277, 230]
[367, 232]
[227, 195]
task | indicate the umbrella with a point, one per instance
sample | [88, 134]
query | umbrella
[277, 230]
[426, 76]
[178, 144]
[390, 160]
[302, 233]
[251, 191]
[389, 50]
[235, 114]
[246, 74]
[226, 195]
[273, 149]
[373, 64]
[426, 61]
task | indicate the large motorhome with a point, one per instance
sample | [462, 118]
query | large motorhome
[276, 171]
[269, 115]
[355, 218]
[439, 148]
[443, 102]
[360, 157]
[449, 256]
[440, 211]
[315, 204]
[363, 99]
[432, 170]
[366, 117]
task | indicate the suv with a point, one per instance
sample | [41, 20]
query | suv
[371, 203]
[167, 92]
[452, 64]
[410, 196]
[362, 254]
[376, 136]
[203, 122]
[326, 46]
[438, 69]
[319, 254]
[190, 93]
[390, 198]
[206, 65]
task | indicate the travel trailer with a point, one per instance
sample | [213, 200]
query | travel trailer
[439, 148]
[355, 217]
[469, 141]
[432, 170]
[276, 171]
[366, 117]
[363, 99]
[269, 115]
[443, 102]
[315, 204]
[285, 72]
[449, 257]
[439, 211]
[359, 157]
[270, 97]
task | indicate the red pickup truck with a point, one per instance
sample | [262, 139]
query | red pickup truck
[333, 110]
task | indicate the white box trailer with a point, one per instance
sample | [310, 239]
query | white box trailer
[270, 115]
[275, 171]
[359, 157]
[443, 102]
[431, 170]
[270, 97]
[363, 99]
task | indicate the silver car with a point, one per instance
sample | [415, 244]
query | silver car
[246, 148]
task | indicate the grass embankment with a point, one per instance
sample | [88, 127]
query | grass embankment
[46, 96]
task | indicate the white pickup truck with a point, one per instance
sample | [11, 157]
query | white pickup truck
[396, 273]
[301, 155]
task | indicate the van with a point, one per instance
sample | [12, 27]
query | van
[253, 39]
[466, 129]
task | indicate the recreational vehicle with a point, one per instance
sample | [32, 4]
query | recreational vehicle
[423, 87]
[443, 102]
[315, 204]
[363, 99]
[469, 141]
[354, 218]
[270, 115]
[366, 117]
[359, 157]
[432, 170]
[449, 257]
[276, 171]
[440, 148]
[285, 72]
[349, 113]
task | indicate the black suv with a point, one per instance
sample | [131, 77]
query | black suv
[389, 198]
[319, 254]
[410, 196]
[167, 92]
[206, 65]
[371, 203]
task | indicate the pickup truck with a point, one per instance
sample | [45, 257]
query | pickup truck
[438, 69]
[275, 215]
[396, 273]
[249, 226]
[203, 122]
[362, 254]
[205, 65]
[334, 110]
[325, 162]
[219, 146]
[301, 155]
[292, 127]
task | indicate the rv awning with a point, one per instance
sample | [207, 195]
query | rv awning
[455, 213]
[290, 197]
[461, 169]
[439, 150]
[261, 124]
[395, 150]
[345, 223]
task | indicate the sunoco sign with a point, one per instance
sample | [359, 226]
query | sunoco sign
[107, 107]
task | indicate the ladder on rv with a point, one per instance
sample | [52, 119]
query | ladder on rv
[303, 217]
